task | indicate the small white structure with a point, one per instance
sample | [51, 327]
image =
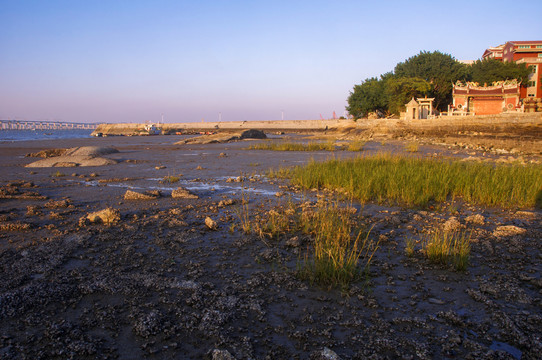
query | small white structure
[419, 109]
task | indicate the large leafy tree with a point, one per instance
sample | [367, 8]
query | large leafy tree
[438, 69]
[491, 70]
[400, 90]
[367, 97]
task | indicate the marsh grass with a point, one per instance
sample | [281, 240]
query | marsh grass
[412, 147]
[418, 182]
[294, 146]
[170, 179]
[410, 246]
[341, 251]
[330, 145]
[356, 145]
[448, 247]
[58, 174]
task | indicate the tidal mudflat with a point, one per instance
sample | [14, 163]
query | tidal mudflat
[163, 276]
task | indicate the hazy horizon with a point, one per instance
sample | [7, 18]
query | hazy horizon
[229, 60]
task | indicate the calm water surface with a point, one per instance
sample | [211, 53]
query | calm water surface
[23, 135]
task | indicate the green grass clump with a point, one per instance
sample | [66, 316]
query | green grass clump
[58, 174]
[337, 253]
[412, 147]
[340, 252]
[170, 179]
[417, 182]
[448, 247]
[357, 145]
[294, 146]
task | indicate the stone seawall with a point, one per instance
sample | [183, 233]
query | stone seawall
[276, 125]
[378, 125]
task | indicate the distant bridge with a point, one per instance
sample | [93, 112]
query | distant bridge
[44, 125]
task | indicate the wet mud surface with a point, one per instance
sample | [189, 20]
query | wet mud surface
[159, 284]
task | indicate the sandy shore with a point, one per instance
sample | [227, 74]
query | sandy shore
[159, 284]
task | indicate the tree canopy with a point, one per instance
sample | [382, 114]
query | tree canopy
[438, 69]
[491, 70]
[367, 97]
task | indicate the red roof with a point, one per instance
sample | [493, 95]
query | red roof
[533, 42]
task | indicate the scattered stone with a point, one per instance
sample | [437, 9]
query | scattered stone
[221, 355]
[325, 354]
[475, 219]
[226, 202]
[133, 195]
[293, 242]
[182, 193]
[106, 216]
[52, 204]
[16, 226]
[508, 230]
[525, 215]
[452, 225]
[210, 223]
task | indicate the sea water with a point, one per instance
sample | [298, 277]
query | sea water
[23, 135]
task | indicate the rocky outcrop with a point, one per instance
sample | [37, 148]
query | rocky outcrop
[223, 138]
[79, 156]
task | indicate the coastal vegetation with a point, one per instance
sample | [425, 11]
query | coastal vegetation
[418, 182]
[310, 146]
[295, 146]
[341, 250]
[443, 247]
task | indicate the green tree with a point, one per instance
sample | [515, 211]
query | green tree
[438, 69]
[367, 97]
[491, 70]
[400, 90]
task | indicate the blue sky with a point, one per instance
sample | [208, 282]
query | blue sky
[131, 61]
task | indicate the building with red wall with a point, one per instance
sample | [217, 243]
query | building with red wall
[522, 52]
[485, 100]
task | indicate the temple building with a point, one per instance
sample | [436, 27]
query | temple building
[471, 98]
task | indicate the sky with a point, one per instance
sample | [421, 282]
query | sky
[229, 60]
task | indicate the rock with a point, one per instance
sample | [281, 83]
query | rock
[92, 151]
[133, 195]
[71, 161]
[293, 242]
[508, 230]
[159, 167]
[325, 354]
[452, 225]
[253, 134]
[475, 219]
[182, 193]
[210, 223]
[525, 215]
[226, 202]
[108, 216]
[221, 355]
